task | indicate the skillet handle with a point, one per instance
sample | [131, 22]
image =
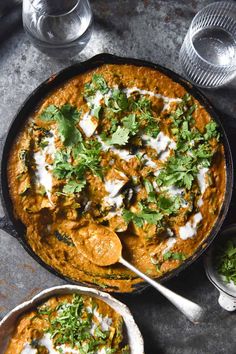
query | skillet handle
[7, 226]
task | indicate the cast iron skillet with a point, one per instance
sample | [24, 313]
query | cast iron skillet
[15, 228]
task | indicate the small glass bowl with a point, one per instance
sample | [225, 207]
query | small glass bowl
[227, 297]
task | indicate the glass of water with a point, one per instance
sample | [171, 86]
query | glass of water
[208, 53]
[59, 28]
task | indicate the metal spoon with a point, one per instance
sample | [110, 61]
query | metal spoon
[102, 247]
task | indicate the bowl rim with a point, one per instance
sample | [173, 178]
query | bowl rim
[135, 339]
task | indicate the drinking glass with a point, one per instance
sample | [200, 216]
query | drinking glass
[208, 53]
[59, 28]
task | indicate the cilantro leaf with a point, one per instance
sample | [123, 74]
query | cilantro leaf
[174, 256]
[50, 113]
[61, 167]
[144, 106]
[179, 171]
[118, 101]
[168, 205]
[119, 137]
[211, 131]
[87, 157]
[66, 117]
[97, 83]
[145, 215]
[226, 261]
[131, 124]
[130, 216]
[74, 187]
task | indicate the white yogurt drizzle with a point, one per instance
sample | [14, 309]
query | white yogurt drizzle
[202, 182]
[190, 228]
[43, 169]
[162, 144]
[169, 244]
[167, 100]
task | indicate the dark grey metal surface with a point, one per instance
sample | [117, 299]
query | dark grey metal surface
[151, 30]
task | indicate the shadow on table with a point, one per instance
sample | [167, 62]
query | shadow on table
[10, 23]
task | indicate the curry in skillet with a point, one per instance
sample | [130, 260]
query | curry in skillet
[121, 147]
[65, 324]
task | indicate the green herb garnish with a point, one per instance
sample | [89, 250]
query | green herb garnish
[174, 256]
[71, 323]
[145, 215]
[130, 123]
[66, 117]
[226, 261]
[97, 83]
[119, 137]
[74, 187]
[118, 101]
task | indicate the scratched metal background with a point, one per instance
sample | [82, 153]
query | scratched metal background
[151, 30]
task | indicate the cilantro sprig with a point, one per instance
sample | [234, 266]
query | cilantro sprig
[174, 256]
[67, 118]
[97, 83]
[145, 215]
[119, 137]
[143, 105]
[86, 156]
[117, 102]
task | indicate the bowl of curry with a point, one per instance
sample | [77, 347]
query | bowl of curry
[70, 319]
[123, 145]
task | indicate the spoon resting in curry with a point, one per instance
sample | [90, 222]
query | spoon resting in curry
[101, 246]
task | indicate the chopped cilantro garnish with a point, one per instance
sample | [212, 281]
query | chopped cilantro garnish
[66, 117]
[130, 123]
[62, 168]
[144, 106]
[119, 137]
[74, 187]
[97, 83]
[71, 323]
[152, 197]
[87, 157]
[211, 131]
[118, 101]
[174, 256]
[226, 261]
[179, 171]
[168, 205]
[145, 215]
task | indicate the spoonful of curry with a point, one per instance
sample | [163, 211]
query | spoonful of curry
[102, 246]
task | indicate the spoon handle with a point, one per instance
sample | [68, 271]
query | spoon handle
[191, 310]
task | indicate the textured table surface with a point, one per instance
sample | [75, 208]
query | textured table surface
[151, 30]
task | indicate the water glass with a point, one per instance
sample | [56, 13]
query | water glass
[59, 28]
[208, 53]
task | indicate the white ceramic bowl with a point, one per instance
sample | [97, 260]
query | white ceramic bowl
[7, 325]
[227, 297]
